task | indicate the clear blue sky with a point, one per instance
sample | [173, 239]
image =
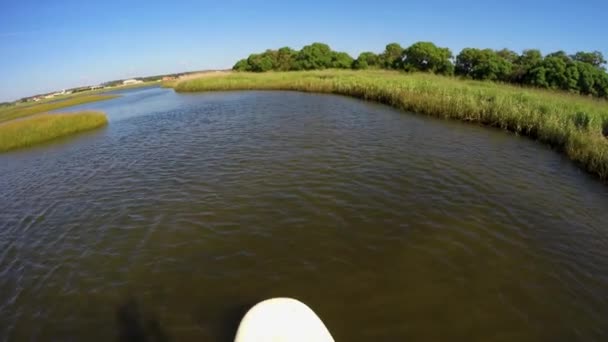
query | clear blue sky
[50, 45]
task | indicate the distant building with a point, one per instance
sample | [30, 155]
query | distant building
[131, 81]
[168, 78]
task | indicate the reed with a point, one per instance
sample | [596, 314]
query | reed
[36, 129]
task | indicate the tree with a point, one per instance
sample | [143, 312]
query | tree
[592, 80]
[483, 65]
[241, 65]
[587, 78]
[561, 72]
[601, 84]
[366, 60]
[261, 62]
[594, 58]
[559, 54]
[314, 56]
[285, 59]
[341, 60]
[572, 77]
[426, 56]
[466, 61]
[537, 76]
[555, 67]
[509, 55]
[391, 57]
[582, 72]
[529, 60]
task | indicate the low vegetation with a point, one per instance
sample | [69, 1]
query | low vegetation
[580, 73]
[573, 124]
[20, 111]
[35, 129]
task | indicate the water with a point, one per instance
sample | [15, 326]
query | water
[188, 209]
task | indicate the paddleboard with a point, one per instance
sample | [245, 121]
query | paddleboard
[282, 320]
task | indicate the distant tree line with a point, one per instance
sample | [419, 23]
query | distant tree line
[582, 72]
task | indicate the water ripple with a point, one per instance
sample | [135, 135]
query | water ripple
[195, 205]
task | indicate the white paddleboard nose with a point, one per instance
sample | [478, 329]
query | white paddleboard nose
[282, 320]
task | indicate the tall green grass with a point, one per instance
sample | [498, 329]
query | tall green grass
[40, 128]
[573, 124]
[31, 109]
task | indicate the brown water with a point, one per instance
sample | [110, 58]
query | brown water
[188, 209]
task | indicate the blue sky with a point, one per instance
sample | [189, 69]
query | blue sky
[50, 45]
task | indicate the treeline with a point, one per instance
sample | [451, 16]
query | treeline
[581, 73]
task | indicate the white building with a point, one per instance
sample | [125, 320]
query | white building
[131, 81]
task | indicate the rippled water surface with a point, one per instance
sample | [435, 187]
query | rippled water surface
[188, 209]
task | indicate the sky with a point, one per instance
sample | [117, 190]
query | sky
[52, 45]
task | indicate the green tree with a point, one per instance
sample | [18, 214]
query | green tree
[572, 77]
[483, 65]
[509, 55]
[538, 77]
[561, 72]
[594, 58]
[261, 62]
[426, 56]
[601, 84]
[582, 72]
[391, 57]
[466, 61]
[341, 60]
[587, 78]
[366, 60]
[555, 67]
[522, 68]
[314, 56]
[559, 54]
[242, 65]
[285, 59]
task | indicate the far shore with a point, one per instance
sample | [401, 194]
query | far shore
[17, 112]
[32, 124]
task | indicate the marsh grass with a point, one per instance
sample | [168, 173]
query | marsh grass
[573, 124]
[30, 109]
[35, 129]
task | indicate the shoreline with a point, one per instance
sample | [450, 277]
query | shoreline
[574, 125]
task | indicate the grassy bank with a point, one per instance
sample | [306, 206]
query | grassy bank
[40, 128]
[573, 124]
[31, 109]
